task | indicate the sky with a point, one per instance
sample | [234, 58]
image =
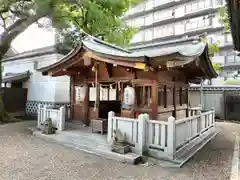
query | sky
[32, 38]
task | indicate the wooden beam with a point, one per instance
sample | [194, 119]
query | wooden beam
[137, 65]
[66, 65]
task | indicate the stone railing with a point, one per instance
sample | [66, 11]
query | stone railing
[162, 139]
[58, 116]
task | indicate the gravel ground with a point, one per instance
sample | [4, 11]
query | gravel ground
[24, 157]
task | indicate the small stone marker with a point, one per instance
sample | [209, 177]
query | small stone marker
[119, 143]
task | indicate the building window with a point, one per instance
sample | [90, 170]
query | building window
[136, 9]
[148, 35]
[137, 22]
[196, 6]
[148, 19]
[35, 64]
[149, 4]
[138, 37]
[218, 2]
[179, 28]
[179, 12]
[230, 58]
[237, 59]
[162, 15]
[216, 22]
[197, 23]
[160, 2]
[163, 31]
[229, 38]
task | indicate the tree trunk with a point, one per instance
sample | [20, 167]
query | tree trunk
[5, 42]
[4, 116]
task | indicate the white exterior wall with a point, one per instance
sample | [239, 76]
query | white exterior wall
[41, 88]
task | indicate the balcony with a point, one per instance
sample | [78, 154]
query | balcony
[177, 14]
[177, 34]
[155, 8]
[232, 62]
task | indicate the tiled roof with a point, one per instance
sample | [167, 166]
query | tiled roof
[187, 52]
[11, 77]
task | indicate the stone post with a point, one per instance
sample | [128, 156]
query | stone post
[213, 117]
[62, 116]
[44, 113]
[142, 118]
[40, 116]
[171, 137]
[111, 114]
[199, 122]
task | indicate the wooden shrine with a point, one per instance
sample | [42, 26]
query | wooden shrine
[107, 78]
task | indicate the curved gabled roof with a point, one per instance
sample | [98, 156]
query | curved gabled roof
[184, 53]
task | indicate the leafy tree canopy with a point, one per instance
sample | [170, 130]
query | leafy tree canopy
[69, 17]
[97, 17]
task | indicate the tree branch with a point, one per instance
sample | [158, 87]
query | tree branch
[3, 21]
[19, 26]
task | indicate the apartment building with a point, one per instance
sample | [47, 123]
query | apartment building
[159, 21]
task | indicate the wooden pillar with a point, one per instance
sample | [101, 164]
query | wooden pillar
[108, 93]
[72, 97]
[174, 101]
[154, 100]
[86, 103]
[187, 101]
[97, 99]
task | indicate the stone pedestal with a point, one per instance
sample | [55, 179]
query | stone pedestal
[120, 148]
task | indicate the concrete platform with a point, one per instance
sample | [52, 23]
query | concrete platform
[90, 143]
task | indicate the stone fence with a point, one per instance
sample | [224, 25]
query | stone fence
[58, 116]
[162, 139]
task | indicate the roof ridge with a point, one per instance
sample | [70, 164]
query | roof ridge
[105, 43]
[167, 42]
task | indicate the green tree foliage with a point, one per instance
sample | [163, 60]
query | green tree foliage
[96, 17]
[214, 47]
[217, 67]
[224, 19]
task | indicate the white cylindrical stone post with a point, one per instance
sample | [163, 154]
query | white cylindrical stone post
[142, 119]
[40, 116]
[171, 137]
[111, 114]
[213, 117]
[199, 113]
[44, 113]
[61, 124]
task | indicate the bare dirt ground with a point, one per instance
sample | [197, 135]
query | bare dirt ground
[24, 157]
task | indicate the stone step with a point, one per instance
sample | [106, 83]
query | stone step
[190, 150]
[84, 138]
[90, 147]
